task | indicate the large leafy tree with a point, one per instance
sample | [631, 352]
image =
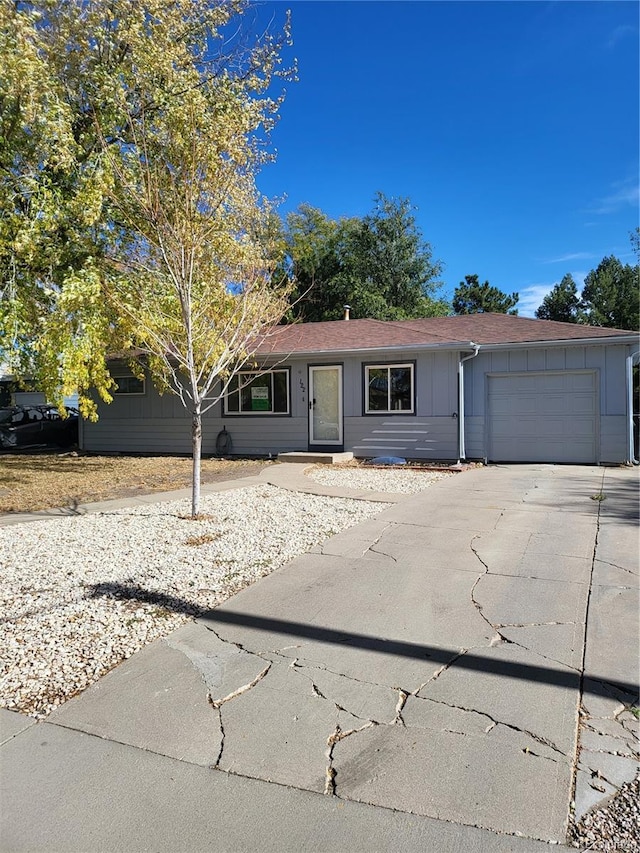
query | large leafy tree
[379, 264]
[311, 250]
[611, 295]
[53, 231]
[148, 235]
[471, 297]
[563, 303]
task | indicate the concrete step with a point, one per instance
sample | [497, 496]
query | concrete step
[316, 458]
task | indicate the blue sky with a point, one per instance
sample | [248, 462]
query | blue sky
[511, 126]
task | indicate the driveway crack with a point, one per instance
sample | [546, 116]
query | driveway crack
[584, 636]
[402, 699]
[539, 654]
[318, 694]
[375, 542]
[238, 646]
[334, 738]
[222, 734]
[217, 703]
[537, 738]
[297, 663]
[533, 624]
[476, 603]
[381, 553]
[438, 672]
[616, 566]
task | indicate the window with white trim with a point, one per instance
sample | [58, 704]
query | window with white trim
[128, 385]
[388, 388]
[258, 393]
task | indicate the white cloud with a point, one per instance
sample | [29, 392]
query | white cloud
[619, 33]
[573, 256]
[531, 297]
[624, 194]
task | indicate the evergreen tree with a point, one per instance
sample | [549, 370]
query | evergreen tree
[611, 295]
[471, 297]
[563, 303]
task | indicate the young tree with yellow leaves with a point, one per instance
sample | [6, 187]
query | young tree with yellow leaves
[167, 120]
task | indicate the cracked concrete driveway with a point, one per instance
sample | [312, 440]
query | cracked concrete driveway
[442, 659]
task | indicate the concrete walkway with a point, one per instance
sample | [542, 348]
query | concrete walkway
[290, 476]
[415, 683]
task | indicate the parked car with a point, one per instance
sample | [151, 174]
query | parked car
[37, 426]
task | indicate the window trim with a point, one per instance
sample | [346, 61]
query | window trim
[117, 392]
[259, 414]
[387, 365]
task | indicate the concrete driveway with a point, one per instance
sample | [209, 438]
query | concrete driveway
[436, 663]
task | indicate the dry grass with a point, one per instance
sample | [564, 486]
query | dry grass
[46, 480]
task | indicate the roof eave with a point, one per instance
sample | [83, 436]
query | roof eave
[608, 339]
[452, 346]
[412, 347]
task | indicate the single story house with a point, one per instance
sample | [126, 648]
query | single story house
[488, 387]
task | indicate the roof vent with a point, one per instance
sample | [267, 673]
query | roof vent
[347, 308]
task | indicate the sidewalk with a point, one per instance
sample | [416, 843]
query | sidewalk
[414, 683]
[287, 476]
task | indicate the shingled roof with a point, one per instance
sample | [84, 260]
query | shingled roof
[489, 329]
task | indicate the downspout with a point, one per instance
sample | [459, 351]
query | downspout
[462, 453]
[634, 357]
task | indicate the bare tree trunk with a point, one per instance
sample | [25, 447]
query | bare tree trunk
[196, 445]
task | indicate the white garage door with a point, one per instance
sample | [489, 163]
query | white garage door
[543, 417]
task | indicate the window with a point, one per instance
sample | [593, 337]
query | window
[128, 385]
[388, 388]
[265, 393]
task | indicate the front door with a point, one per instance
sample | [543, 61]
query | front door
[325, 406]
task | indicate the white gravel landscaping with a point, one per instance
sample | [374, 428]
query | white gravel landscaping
[80, 594]
[396, 480]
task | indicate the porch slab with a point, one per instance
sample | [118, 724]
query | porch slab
[316, 458]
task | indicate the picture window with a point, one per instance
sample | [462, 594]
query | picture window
[263, 393]
[389, 388]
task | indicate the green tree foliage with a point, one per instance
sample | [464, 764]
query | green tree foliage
[611, 295]
[378, 264]
[471, 297]
[634, 236]
[131, 219]
[52, 230]
[562, 303]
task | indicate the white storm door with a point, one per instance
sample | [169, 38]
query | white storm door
[325, 405]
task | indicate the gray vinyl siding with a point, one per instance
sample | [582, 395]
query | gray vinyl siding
[271, 435]
[154, 423]
[474, 437]
[413, 438]
[613, 439]
[608, 362]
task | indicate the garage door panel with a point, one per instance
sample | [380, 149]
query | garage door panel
[582, 382]
[582, 428]
[549, 384]
[549, 405]
[584, 405]
[543, 417]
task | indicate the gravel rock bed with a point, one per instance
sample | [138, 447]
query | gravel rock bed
[80, 594]
[377, 479]
[614, 827]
